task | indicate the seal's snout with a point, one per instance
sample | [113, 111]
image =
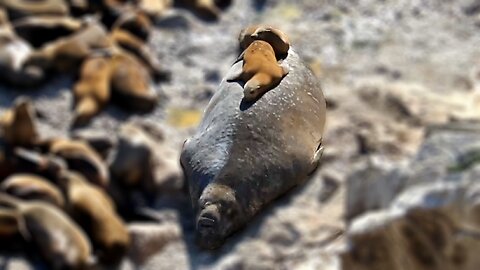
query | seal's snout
[209, 218]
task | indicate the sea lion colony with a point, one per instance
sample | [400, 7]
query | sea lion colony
[103, 43]
[57, 195]
[83, 184]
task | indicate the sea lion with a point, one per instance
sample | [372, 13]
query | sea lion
[67, 54]
[23, 160]
[155, 8]
[260, 70]
[132, 85]
[39, 30]
[276, 38]
[82, 158]
[244, 155]
[33, 187]
[57, 238]
[208, 10]
[136, 22]
[139, 48]
[14, 52]
[100, 140]
[92, 90]
[18, 124]
[8, 223]
[20, 8]
[95, 212]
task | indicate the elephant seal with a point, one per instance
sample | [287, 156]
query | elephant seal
[92, 90]
[245, 154]
[60, 241]
[260, 70]
[33, 187]
[95, 212]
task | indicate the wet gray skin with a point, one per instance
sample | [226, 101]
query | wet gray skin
[243, 155]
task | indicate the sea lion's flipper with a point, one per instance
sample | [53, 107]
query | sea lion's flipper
[235, 72]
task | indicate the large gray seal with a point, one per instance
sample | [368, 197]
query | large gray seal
[243, 155]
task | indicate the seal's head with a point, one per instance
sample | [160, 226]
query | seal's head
[217, 216]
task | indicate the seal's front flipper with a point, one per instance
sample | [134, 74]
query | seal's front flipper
[235, 72]
[316, 158]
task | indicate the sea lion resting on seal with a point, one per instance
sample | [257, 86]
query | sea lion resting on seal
[260, 70]
[244, 155]
[273, 36]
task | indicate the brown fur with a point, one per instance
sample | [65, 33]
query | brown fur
[38, 30]
[22, 8]
[92, 90]
[140, 49]
[33, 187]
[205, 9]
[136, 23]
[18, 124]
[260, 71]
[155, 8]
[8, 223]
[276, 38]
[95, 211]
[132, 84]
[82, 158]
[60, 241]
[66, 54]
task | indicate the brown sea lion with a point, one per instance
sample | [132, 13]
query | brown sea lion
[208, 10]
[100, 140]
[82, 158]
[92, 90]
[244, 155]
[39, 30]
[260, 70]
[132, 85]
[95, 212]
[24, 160]
[155, 8]
[57, 238]
[66, 54]
[140, 49]
[33, 187]
[276, 38]
[21, 8]
[18, 124]
[136, 22]
[8, 223]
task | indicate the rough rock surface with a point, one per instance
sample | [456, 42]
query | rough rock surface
[388, 69]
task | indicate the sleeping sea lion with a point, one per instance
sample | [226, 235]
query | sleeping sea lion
[244, 155]
[95, 212]
[57, 238]
[155, 8]
[260, 70]
[39, 30]
[8, 223]
[66, 54]
[21, 8]
[132, 85]
[92, 90]
[33, 187]
[208, 10]
[82, 158]
[18, 124]
[276, 38]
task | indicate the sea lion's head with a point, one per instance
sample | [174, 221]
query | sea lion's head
[219, 214]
